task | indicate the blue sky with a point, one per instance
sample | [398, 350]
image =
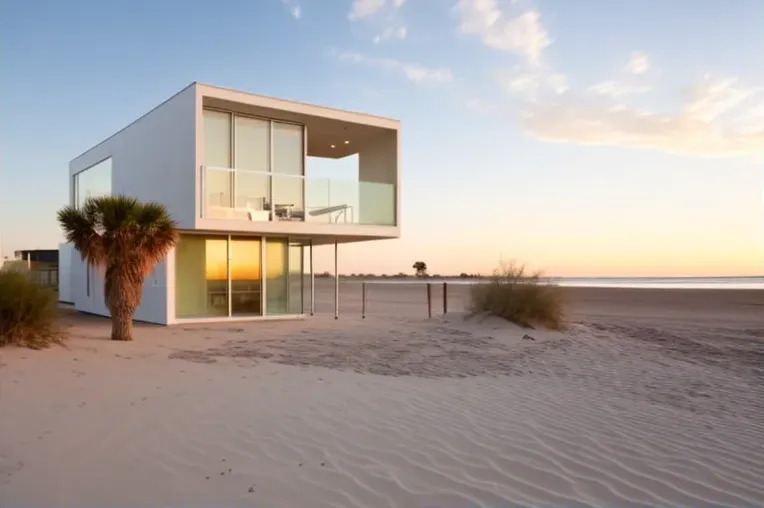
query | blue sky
[584, 138]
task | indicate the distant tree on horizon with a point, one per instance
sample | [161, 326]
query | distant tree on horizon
[421, 268]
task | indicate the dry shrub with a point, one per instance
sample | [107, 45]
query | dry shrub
[27, 311]
[519, 298]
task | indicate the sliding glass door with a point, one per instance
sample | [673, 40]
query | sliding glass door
[226, 276]
[277, 276]
[246, 277]
[201, 276]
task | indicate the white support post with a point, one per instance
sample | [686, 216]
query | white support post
[264, 277]
[312, 282]
[336, 284]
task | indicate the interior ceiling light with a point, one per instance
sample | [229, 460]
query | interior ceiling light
[332, 146]
[347, 142]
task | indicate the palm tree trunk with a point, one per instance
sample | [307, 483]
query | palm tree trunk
[121, 326]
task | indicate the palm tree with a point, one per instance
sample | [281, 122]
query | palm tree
[126, 238]
[421, 268]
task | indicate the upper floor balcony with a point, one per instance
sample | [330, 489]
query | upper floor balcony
[258, 165]
[225, 160]
[261, 196]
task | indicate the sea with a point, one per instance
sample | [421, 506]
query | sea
[752, 282]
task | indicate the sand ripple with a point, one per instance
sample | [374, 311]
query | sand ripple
[465, 414]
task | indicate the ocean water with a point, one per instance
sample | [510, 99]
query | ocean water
[665, 282]
[625, 282]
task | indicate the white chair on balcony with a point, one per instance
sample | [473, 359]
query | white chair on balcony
[255, 209]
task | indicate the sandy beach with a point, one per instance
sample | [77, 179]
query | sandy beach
[649, 398]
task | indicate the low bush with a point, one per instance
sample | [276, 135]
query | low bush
[27, 311]
[519, 298]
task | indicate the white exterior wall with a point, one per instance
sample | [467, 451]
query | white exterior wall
[65, 255]
[153, 159]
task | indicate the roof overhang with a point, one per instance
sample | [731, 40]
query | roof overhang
[332, 133]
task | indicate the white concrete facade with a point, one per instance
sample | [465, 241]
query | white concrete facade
[161, 157]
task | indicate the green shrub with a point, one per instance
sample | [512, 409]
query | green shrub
[27, 311]
[519, 298]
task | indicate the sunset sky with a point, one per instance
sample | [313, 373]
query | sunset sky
[584, 138]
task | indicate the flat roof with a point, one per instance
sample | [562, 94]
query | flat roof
[332, 125]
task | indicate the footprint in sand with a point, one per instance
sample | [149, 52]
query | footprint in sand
[8, 467]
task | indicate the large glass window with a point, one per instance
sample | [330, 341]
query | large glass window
[246, 279]
[221, 276]
[217, 157]
[254, 167]
[277, 276]
[252, 158]
[92, 182]
[296, 279]
[201, 276]
[288, 187]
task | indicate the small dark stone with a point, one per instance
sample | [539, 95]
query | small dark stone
[222, 473]
[300, 464]
[251, 489]
[229, 469]
[223, 460]
[528, 337]
[206, 477]
[322, 464]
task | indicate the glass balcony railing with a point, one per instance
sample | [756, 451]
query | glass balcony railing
[260, 196]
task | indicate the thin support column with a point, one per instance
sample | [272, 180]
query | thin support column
[336, 285]
[312, 282]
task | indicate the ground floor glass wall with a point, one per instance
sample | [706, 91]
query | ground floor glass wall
[238, 276]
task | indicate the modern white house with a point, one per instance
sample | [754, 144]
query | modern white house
[234, 170]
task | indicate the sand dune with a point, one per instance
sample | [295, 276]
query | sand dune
[388, 411]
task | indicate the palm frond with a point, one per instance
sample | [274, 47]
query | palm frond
[80, 230]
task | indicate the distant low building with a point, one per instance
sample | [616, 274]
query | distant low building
[42, 264]
[38, 257]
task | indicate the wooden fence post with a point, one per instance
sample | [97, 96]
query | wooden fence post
[429, 300]
[363, 300]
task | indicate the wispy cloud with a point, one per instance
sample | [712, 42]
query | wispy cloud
[417, 73]
[523, 34]
[639, 63]
[294, 8]
[531, 84]
[617, 89]
[391, 33]
[366, 8]
[706, 126]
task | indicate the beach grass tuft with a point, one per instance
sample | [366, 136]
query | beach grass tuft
[28, 312]
[519, 297]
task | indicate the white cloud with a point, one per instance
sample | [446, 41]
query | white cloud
[391, 33]
[617, 89]
[523, 34]
[414, 72]
[532, 84]
[639, 63]
[294, 8]
[714, 97]
[698, 129]
[365, 8]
